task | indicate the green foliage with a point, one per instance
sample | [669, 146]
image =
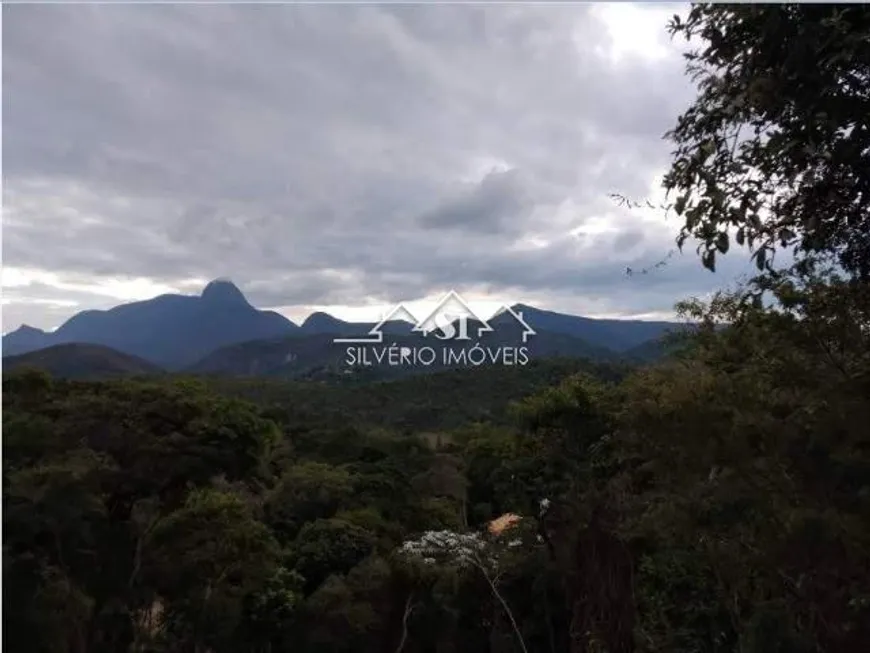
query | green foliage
[307, 491]
[270, 614]
[431, 402]
[756, 449]
[774, 151]
[202, 560]
[95, 472]
[328, 546]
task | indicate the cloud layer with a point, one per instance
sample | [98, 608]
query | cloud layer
[338, 155]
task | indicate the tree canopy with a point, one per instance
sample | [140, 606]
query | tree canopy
[775, 149]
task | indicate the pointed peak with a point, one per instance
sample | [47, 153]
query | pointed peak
[26, 328]
[26, 333]
[223, 290]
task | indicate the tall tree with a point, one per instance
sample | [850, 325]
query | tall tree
[775, 149]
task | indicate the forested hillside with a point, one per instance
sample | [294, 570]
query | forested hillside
[82, 361]
[161, 516]
[718, 501]
[427, 402]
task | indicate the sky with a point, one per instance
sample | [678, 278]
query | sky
[342, 157]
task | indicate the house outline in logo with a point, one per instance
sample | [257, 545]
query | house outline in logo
[518, 316]
[422, 328]
[376, 336]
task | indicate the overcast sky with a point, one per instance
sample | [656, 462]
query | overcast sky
[340, 156]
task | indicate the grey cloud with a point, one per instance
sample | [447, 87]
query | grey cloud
[319, 154]
[498, 202]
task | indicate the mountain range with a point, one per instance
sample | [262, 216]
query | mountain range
[220, 332]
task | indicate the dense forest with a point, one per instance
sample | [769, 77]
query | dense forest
[716, 501]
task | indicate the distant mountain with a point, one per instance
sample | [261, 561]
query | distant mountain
[325, 323]
[617, 335]
[321, 322]
[301, 356]
[25, 338]
[172, 331]
[219, 331]
[80, 361]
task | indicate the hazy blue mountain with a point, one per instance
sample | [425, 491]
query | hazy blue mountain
[617, 335]
[321, 322]
[219, 331]
[172, 331]
[25, 338]
[299, 356]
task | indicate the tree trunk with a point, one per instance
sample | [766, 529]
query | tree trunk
[597, 576]
[409, 608]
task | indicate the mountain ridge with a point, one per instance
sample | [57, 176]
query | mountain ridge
[178, 332]
[170, 330]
